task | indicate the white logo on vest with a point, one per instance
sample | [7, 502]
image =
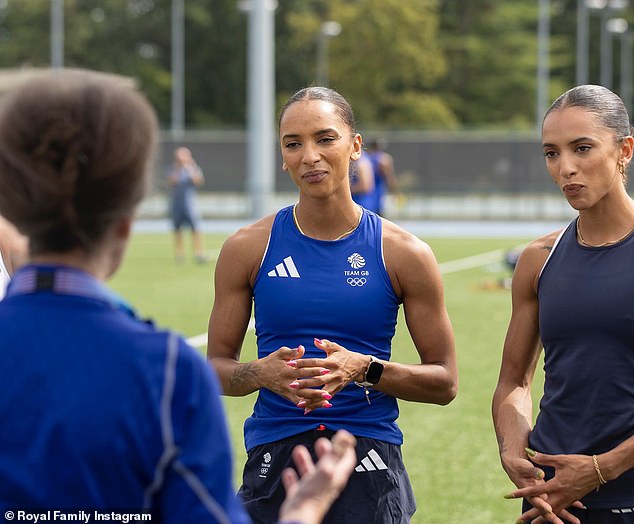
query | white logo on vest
[356, 277]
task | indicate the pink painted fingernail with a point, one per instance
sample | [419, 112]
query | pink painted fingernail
[317, 341]
[292, 363]
[326, 395]
[307, 411]
[294, 385]
[324, 372]
[301, 403]
[327, 404]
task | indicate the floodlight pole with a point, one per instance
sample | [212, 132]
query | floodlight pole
[611, 6]
[543, 66]
[327, 30]
[261, 106]
[626, 70]
[178, 67]
[583, 43]
[57, 34]
[606, 51]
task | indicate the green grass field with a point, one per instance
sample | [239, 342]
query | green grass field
[450, 452]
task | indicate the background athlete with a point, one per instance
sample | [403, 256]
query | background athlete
[326, 279]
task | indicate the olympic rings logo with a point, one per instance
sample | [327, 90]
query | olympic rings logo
[354, 282]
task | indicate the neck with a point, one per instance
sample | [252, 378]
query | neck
[327, 222]
[102, 261]
[93, 265]
[605, 226]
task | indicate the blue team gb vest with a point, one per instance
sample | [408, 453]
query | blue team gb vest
[337, 290]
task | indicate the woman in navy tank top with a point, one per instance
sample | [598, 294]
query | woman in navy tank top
[326, 278]
[572, 295]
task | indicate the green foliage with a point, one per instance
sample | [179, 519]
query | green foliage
[450, 451]
[21, 28]
[422, 64]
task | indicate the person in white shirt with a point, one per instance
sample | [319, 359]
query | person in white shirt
[13, 249]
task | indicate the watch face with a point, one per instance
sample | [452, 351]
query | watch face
[374, 372]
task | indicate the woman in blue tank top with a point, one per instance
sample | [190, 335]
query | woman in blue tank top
[572, 295]
[326, 278]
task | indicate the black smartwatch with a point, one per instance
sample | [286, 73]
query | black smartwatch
[372, 374]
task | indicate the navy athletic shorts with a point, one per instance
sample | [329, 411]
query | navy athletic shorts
[378, 492]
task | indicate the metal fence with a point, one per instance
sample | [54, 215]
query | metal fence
[441, 176]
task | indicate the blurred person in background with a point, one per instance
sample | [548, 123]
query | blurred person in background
[184, 177]
[384, 176]
[326, 278]
[572, 295]
[362, 181]
[100, 409]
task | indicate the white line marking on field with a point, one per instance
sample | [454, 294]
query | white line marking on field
[452, 266]
[212, 254]
[470, 262]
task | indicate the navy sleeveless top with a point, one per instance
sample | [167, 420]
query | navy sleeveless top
[337, 290]
[586, 321]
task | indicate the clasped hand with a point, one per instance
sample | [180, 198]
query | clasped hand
[574, 477]
[311, 383]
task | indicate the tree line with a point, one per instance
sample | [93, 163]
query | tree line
[403, 64]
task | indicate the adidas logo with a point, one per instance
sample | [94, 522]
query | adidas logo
[623, 511]
[286, 268]
[371, 462]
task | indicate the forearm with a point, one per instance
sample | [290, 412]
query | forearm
[430, 383]
[237, 378]
[618, 460]
[512, 419]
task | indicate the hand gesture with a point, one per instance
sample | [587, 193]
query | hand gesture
[309, 496]
[574, 477]
[277, 370]
[330, 374]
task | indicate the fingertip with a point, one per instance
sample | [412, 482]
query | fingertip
[289, 478]
[539, 474]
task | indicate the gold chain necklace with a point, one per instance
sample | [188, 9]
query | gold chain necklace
[583, 242]
[349, 232]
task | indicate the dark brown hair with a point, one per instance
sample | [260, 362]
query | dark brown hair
[344, 110]
[606, 105]
[75, 148]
